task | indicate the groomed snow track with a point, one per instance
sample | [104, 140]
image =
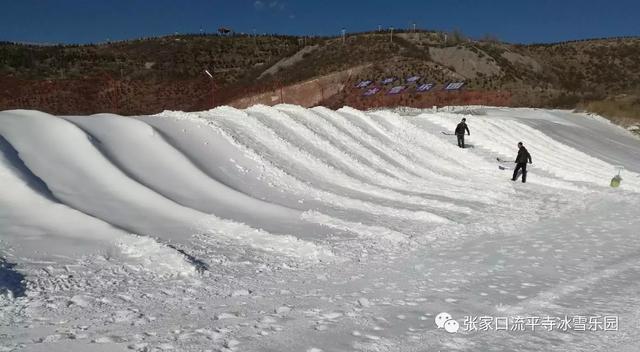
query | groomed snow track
[279, 179]
[291, 229]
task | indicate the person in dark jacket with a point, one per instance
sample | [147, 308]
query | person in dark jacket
[462, 126]
[521, 162]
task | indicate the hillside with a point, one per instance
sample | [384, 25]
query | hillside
[154, 74]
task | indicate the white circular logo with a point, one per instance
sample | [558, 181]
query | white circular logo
[451, 326]
[442, 318]
[445, 320]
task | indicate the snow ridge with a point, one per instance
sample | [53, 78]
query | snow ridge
[279, 180]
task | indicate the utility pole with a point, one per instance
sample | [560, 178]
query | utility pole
[344, 36]
[213, 101]
[391, 37]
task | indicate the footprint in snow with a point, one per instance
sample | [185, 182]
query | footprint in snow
[267, 320]
[222, 316]
[124, 316]
[231, 344]
[108, 339]
[142, 346]
[332, 315]
[165, 347]
[238, 293]
[284, 310]
[50, 338]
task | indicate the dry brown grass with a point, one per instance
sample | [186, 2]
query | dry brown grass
[167, 73]
[623, 110]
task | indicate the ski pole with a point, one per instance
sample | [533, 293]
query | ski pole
[505, 161]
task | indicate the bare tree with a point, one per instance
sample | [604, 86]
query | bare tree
[490, 38]
[456, 37]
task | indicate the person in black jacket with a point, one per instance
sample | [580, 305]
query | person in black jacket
[521, 162]
[462, 126]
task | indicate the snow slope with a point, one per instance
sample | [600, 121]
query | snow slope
[285, 228]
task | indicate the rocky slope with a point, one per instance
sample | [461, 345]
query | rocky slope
[154, 74]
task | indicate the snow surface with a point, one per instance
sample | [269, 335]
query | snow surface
[291, 229]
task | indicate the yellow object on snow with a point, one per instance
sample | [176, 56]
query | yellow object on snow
[615, 181]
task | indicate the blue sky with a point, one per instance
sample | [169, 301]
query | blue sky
[523, 21]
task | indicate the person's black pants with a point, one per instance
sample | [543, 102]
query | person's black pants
[519, 166]
[460, 140]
